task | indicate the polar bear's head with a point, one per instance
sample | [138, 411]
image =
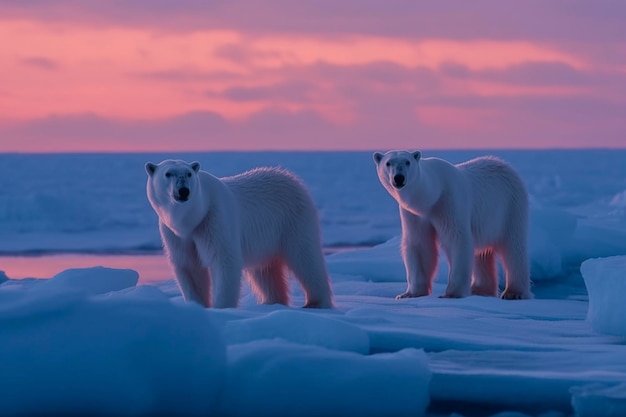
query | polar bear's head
[397, 168]
[172, 180]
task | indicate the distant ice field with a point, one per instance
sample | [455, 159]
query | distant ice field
[96, 203]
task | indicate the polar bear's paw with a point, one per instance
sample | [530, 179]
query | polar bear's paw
[483, 291]
[318, 304]
[411, 295]
[510, 294]
[456, 293]
[451, 296]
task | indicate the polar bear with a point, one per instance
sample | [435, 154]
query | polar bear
[475, 210]
[261, 222]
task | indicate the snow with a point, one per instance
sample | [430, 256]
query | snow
[121, 341]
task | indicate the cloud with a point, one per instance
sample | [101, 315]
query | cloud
[368, 106]
[39, 63]
[200, 130]
[185, 76]
[388, 121]
[556, 20]
[90, 131]
[302, 84]
[244, 54]
[295, 91]
[313, 74]
[528, 73]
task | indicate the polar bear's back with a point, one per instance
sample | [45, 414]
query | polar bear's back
[492, 178]
[275, 207]
[274, 187]
[499, 195]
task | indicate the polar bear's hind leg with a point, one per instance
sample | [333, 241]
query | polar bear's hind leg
[269, 283]
[515, 259]
[306, 261]
[485, 280]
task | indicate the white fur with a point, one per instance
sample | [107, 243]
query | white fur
[262, 222]
[474, 210]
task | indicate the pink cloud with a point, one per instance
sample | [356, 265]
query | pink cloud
[39, 63]
[556, 20]
[162, 75]
[481, 123]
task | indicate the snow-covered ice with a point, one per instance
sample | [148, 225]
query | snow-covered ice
[276, 378]
[116, 342]
[104, 350]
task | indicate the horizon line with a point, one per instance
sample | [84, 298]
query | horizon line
[282, 150]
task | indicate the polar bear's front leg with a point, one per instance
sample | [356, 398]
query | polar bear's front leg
[192, 278]
[226, 272]
[459, 248]
[194, 283]
[420, 255]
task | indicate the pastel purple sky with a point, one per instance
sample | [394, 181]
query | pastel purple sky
[178, 75]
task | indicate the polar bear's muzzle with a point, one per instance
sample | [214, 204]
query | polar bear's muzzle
[399, 181]
[182, 194]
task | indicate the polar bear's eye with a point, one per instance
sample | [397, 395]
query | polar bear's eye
[167, 175]
[388, 164]
[408, 163]
[189, 175]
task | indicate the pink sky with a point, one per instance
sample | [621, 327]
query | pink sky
[157, 75]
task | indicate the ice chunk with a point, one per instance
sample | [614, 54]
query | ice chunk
[96, 280]
[605, 279]
[599, 400]
[113, 355]
[305, 327]
[277, 378]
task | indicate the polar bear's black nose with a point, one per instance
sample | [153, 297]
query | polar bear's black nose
[183, 193]
[398, 180]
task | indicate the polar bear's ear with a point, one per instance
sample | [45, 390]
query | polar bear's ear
[417, 155]
[377, 157]
[150, 168]
[195, 166]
